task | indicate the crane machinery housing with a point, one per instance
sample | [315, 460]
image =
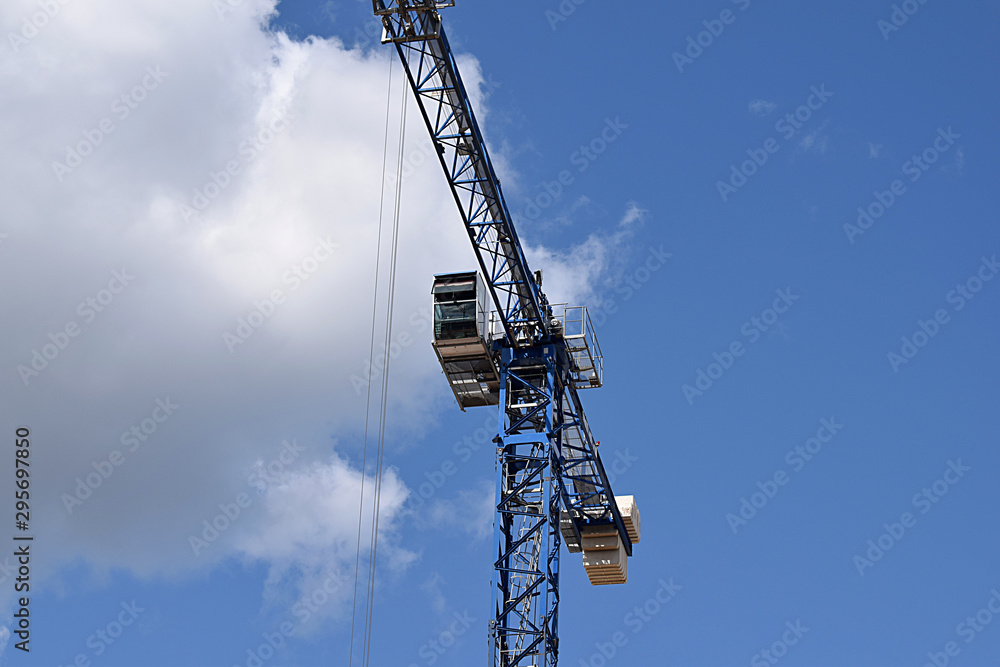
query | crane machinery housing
[528, 357]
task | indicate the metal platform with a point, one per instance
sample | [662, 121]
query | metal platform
[471, 373]
[586, 360]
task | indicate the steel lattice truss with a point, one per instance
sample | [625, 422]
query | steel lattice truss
[584, 484]
[414, 26]
[547, 463]
[526, 529]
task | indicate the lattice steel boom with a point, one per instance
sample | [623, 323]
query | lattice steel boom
[415, 28]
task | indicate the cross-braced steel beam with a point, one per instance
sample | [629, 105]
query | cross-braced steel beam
[524, 630]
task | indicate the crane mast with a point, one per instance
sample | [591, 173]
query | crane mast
[530, 358]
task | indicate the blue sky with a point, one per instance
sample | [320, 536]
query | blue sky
[770, 263]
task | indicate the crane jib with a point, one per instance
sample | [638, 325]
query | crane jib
[415, 29]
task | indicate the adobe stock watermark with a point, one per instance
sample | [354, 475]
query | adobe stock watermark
[412, 162]
[122, 107]
[372, 368]
[924, 501]
[796, 459]
[264, 309]
[636, 620]
[901, 13]
[247, 151]
[926, 330]
[713, 30]
[432, 650]
[260, 479]
[619, 463]
[33, 24]
[967, 630]
[562, 12]
[131, 439]
[633, 281]
[787, 126]
[369, 33]
[779, 649]
[915, 167]
[88, 310]
[752, 329]
[463, 450]
[581, 158]
[104, 638]
[302, 610]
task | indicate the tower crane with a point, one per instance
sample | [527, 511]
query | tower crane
[528, 357]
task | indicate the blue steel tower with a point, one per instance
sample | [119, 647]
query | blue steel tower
[528, 357]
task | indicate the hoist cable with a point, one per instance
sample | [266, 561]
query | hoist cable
[371, 360]
[391, 299]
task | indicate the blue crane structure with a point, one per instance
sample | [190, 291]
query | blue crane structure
[528, 357]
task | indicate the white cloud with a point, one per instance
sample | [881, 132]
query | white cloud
[572, 276]
[957, 167]
[432, 586]
[329, 11]
[761, 107]
[815, 141]
[874, 150]
[162, 336]
[273, 203]
[565, 217]
[633, 215]
[307, 531]
[470, 511]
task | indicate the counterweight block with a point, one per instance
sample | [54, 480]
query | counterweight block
[604, 556]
